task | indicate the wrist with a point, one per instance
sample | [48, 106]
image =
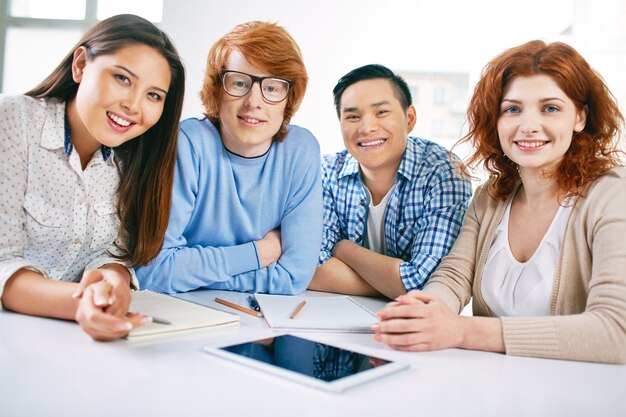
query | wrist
[121, 271]
[464, 332]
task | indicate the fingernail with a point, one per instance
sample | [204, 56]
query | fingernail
[376, 327]
[75, 295]
[128, 326]
[378, 337]
[145, 320]
[112, 300]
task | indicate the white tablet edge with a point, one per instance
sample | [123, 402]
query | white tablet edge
[337, 386]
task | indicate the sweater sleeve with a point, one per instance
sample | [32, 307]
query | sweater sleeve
[331, 229]
[300, 228]
[598, 334]
[453, 279]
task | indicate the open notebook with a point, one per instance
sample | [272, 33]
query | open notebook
[183, 315]
[323, 314]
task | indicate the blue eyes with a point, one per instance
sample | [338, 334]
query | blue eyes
[517, 110]
[512, 110]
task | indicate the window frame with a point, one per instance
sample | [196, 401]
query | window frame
[7, 21]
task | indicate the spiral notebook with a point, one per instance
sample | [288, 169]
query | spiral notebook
[320, 314]
[181, 314]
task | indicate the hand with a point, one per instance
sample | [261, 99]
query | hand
[114, 298]
[99, 324]
[270, 248]
[419, 321]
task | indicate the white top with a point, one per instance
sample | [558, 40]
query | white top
[513, 288]
[55, 218]
[376, 222]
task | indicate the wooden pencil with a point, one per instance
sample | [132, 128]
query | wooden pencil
[238, 307]
[298, 310]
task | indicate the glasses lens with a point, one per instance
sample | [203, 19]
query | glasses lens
[274, 89]
[237, 84]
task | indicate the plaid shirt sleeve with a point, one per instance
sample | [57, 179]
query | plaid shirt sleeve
[445, 203]
[331, 233]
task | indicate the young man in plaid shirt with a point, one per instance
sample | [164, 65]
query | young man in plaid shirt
[393, 204]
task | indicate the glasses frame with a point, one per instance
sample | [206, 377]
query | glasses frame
[255, 79]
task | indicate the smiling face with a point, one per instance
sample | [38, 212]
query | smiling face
[536, 123]
[120, 96]
[249, 123]
[374, 125]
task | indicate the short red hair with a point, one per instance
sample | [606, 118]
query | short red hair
[593, 151]
[266, 46]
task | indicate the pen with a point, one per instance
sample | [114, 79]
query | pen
[238, 307]
[297, 310]
[152, 319]
[254, 304]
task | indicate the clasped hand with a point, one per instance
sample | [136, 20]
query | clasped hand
[418, 321]
[104, 301]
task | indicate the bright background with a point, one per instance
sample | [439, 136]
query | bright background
[429, 39]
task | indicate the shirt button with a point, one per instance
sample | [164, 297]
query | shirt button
[77, 241]
[401, 231]
[362, 203]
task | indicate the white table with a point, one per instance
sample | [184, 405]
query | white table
[51, 368]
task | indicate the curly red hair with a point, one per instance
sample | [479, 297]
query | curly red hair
[592, 152]
[266, 46]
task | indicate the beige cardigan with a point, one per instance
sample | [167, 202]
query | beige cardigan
[587, 319]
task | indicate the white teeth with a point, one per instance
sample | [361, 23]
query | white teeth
[530, 144]
[250, 120]
[374, 143]
[118, 120]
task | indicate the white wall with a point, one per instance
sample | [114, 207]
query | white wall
[454, 35]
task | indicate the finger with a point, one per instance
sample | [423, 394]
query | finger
[138, 319]
[96, 323]
[399, 326]
[417, 347]
[403, 341]
[119, 302]
[102, 292]
[403, 311]
[89, 277]
[391, 304]
[107, 327]
[413, 296]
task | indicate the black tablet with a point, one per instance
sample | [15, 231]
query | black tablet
[312, 363]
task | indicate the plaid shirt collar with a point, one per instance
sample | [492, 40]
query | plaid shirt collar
[407, 166]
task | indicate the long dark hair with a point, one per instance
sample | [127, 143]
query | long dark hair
[146, 163]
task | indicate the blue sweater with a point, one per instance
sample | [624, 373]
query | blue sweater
[222, 203]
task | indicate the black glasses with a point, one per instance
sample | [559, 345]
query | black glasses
[238, 84]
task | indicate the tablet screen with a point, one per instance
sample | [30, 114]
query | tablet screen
[314, 363]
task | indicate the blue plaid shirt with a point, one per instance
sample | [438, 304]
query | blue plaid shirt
[424, 213]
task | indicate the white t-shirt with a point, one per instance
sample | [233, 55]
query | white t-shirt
[376, 223]
[513, 288]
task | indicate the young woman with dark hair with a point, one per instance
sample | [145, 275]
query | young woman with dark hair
[86, 176]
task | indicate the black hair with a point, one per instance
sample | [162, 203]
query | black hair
[371, 72]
